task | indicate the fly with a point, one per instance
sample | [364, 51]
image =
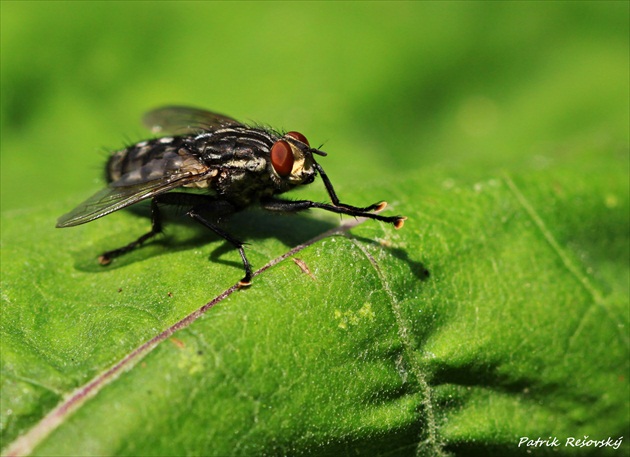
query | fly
[234, 164]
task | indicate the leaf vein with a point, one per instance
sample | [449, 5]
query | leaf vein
[408, 344]
[26, 443]
[570, 266]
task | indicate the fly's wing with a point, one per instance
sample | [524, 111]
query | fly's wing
[112, 199]
[181, 120]
[165, 172]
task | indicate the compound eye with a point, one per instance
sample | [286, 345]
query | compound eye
[282, 157]
[298, 136]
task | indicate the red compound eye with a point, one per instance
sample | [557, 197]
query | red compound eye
[282, 157]
[298, 136]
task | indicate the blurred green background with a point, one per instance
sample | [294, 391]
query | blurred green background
[388, 87]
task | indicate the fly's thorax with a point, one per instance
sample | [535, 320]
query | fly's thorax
[256, 162]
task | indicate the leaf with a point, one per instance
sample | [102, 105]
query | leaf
[498, 312]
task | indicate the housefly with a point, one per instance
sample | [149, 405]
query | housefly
[233, 164]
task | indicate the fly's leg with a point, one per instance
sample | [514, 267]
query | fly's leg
[292, 206]
[198, 203]
[247, 279]
[335, 200]
[156, 227]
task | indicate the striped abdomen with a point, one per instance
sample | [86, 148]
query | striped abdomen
[151, 160]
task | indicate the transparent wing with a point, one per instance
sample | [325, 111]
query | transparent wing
[180, 120]
[116, 197]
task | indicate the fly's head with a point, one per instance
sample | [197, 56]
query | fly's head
[292, 161]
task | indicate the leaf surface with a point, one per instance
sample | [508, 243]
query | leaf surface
[498, 311]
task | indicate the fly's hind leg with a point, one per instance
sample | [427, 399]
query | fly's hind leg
[199, 204]
[156, 228]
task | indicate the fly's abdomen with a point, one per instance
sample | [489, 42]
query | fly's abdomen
[147, 160]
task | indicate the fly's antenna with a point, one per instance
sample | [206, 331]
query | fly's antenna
[318, 152]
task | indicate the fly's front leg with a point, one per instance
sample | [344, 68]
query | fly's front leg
[335, 200]
[247, 279]
[156, 227]
[292, 206]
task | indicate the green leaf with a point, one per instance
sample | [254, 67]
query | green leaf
[498, 312]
